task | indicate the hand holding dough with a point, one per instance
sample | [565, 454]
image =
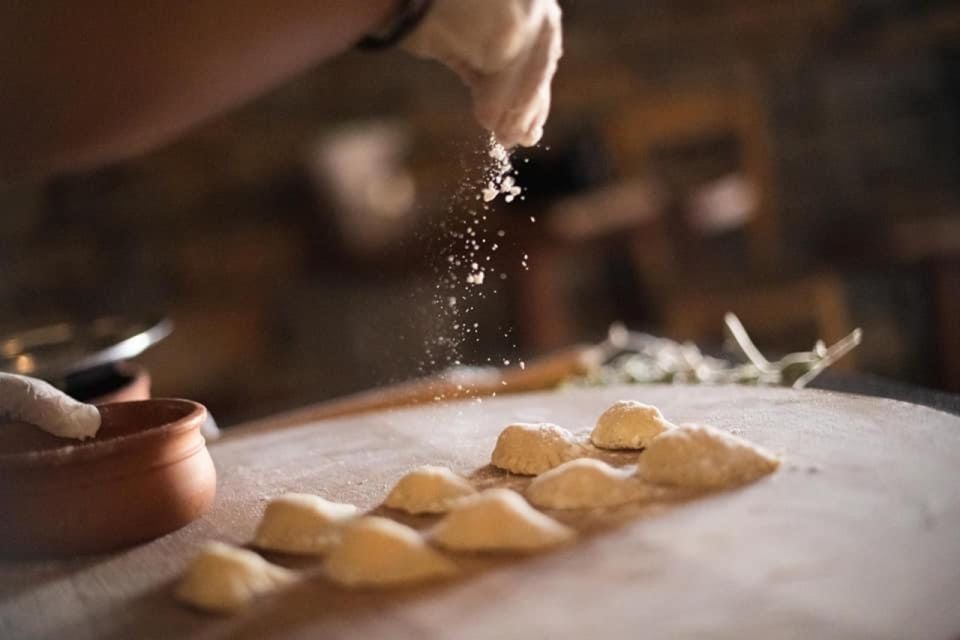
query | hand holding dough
[506, 51]
[26, 399]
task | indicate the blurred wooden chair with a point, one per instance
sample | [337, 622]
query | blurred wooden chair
[933, 242]
[667, 121]
[693, 276]
[676, 232]
[575, 228]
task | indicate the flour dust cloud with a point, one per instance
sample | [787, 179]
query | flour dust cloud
[471, 263]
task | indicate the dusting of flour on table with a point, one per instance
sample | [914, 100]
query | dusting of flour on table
[498, 520]
[469, 259]
[224, 579]
[301, 523]
[375, 551]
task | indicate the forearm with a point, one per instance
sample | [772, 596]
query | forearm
[90, 82]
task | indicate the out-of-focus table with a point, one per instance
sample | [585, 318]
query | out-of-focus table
[879, 387]
[854, 537]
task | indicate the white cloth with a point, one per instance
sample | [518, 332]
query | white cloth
[41, 404]
[506, 51]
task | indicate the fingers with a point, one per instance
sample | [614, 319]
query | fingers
[509, 27]
[532, 122]
[506, 51]
[521, 93]
[533, 132]
[39, 403]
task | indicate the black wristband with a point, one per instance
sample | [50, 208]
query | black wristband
[401, 24]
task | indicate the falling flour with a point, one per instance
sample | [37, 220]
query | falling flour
[470, 262]
[499, 175]
[500, 178]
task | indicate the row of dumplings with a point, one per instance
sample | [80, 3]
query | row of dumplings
[367, 551]
[689, 456]
[375, 551]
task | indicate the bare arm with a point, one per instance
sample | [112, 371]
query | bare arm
[82, 83]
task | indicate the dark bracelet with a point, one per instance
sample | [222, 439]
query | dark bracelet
[407, 19]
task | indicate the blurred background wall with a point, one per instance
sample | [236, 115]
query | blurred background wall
[795, 162]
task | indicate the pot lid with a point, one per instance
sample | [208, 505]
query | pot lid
[56, 351]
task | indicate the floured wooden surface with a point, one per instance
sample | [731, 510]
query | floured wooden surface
[857, 535]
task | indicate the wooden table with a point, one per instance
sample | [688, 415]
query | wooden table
[857, 536]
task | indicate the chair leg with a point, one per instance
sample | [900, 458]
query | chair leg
[947, 309]
[545, 318]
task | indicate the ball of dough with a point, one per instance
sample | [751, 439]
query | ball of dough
[376, 551]
[223, 579]
[531, 449]
[428, 489]
[498, 520]
[585, 483]
[628, 425]
[703, 457]
[301, 523]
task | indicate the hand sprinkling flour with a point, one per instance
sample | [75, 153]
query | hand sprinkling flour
[506, 51]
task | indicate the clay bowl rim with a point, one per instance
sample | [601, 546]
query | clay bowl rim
[77, 451]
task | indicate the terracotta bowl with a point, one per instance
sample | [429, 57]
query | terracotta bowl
[146, 473]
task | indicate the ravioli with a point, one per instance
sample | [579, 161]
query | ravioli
[301, 523]
[428, 489]
[376, 551]
[701, 456]
[224, 579]
[498, 520]
[585, 483]
[531, 449]
[628, 425]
